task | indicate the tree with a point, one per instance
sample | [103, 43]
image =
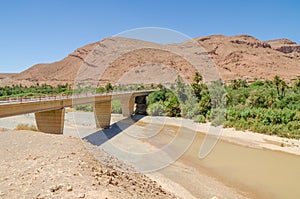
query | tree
[181, 89]
[197, 85]
[280, 86]
[198, 78]
[297, 84]
[276, 81]
[109, 87]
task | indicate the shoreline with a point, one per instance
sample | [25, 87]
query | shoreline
[243, 138]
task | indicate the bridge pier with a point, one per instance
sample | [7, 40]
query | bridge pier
[102, 113]
[127, 105]
[51, 121]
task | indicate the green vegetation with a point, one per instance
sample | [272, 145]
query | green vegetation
[116, 106]
[270, 107]
[84, 107]
[17, 91]
[37, 90]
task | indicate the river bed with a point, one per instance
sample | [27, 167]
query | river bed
[229, 171]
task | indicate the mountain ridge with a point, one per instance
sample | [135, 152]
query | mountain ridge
[236, 57]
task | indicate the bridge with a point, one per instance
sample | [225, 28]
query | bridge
[50, 111]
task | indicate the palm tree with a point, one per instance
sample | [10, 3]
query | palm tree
[297, 83]
[282, 87]
[276, 81]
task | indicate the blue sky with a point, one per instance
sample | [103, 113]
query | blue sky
[42, 31]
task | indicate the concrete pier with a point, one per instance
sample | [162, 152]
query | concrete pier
[127, 105]
[51, 121]
[102, 113]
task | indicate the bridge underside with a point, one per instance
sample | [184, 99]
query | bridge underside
[52, 121]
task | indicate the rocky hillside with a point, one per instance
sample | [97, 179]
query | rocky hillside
[122, 60]
[246, 57]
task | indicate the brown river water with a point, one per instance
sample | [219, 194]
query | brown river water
[260, 173]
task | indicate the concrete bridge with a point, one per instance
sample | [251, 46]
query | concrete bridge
[50, 112]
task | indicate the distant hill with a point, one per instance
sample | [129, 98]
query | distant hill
[240, 56]
[7, 75]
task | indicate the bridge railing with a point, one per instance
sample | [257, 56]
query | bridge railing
[18, 100]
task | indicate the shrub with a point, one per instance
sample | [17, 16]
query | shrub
[26, 127]
[199, 118]
[116, 106]
[167, 100]
[84, 107]
[156, 109]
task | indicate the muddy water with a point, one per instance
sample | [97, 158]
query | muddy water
[260, 173]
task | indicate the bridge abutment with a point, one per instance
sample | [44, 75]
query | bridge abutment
[51, 121]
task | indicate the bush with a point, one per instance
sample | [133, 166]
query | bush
[84, 107]
[116, 106]
[200, 119]
[167, 100]
[26, 127]
[156, 109]
[281, 122]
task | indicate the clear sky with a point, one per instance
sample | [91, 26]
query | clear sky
[42, 31]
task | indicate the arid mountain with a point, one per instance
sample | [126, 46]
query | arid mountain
[123, 60]
[284, 45]
[246, 57]
[7, 75]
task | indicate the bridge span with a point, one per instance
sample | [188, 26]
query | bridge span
[50, 112]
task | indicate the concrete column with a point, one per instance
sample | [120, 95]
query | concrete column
[102, 112]
[51, 121]
[127, 105]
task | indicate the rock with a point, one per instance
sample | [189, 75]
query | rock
[289, 49]
[69, 188]
[110, 181]
[55, 188]
[112, 173]
[81, 195]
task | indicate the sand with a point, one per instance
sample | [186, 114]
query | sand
[244, 138]
[37, 165]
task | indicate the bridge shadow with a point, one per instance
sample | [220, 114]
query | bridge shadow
[100, 137]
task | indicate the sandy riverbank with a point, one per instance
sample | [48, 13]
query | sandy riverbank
[37, 165]
[244, 138]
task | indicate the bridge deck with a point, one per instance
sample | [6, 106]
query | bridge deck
[39, 104]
